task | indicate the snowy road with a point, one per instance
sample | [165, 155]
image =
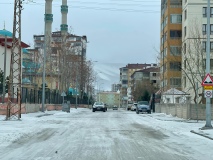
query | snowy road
[84, 135]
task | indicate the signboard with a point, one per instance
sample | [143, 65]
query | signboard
[63, 94]
[207, 81]
[208, 87]
[208, 93]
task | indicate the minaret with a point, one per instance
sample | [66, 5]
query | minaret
[64, 11]
[64, 29]
[48, 18]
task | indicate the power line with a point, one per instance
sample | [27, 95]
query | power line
[97, 8]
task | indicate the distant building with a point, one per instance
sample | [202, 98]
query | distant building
[6, 43]
[75, 49]
[115, 87]
[109, 98]
[125, 79]
[149, 75]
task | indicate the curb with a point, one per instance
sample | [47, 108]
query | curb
[192, 131]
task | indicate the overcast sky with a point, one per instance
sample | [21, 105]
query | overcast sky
[119, 31]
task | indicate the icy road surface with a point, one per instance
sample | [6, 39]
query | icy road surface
[113, 135]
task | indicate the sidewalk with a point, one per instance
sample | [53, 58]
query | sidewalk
[194, 126]
[208, 133]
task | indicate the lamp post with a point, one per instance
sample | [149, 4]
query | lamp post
[5, 60]
[119, 98]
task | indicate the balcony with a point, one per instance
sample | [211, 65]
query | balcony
[124, 85]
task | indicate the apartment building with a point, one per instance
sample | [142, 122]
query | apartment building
[194, 26]
[74, 51]
[171, 44]
[149, 75]
[115, 87]
[125, 79]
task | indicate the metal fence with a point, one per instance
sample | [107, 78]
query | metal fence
[30, 95]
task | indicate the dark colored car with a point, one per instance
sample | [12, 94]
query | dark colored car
[143, 106]
[98, 106]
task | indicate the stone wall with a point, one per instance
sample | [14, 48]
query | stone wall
[185, 111]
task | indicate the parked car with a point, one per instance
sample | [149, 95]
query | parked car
[134, 106]
[143, 106]
[105, 106]
[129, 105]
[98, 106]
[115, 107]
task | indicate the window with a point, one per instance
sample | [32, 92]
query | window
[175, 18]
[184, 81]
[165, 52]
[211, 64]
[185, 31]
[175, 50]
[175, 66]
[211, 46]
[211, 12]
[185, 14]
[204, 11]
[175, 82]
[175, 34]
[211, 28]
[204, 29]
[204, 46]
[184, 47]
[185, 64]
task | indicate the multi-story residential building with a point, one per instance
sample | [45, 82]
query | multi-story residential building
[57, 62]
[125, 79]
[115, 87]
[194, 26]
[149, 75]
[171, 43]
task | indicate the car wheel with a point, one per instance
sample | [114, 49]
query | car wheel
[137, 112]
[149, 112]
[93, 110]
[104, 110]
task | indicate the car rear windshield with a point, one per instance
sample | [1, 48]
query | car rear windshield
[98, 103]
[143, 102]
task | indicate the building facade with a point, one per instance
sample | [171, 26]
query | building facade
[171, 44]
[125, 80]
[194, 26]
[59, 59]
[110, 98]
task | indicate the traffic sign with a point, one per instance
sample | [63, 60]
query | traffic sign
[63, 94]
[208, 93]
[207, 81]
[208, 87]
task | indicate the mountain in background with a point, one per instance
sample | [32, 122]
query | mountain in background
[108, 74]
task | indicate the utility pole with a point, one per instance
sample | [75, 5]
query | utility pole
[5, 61]
[208, 100]
[14, 91]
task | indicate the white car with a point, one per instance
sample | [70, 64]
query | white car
[134, 106]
